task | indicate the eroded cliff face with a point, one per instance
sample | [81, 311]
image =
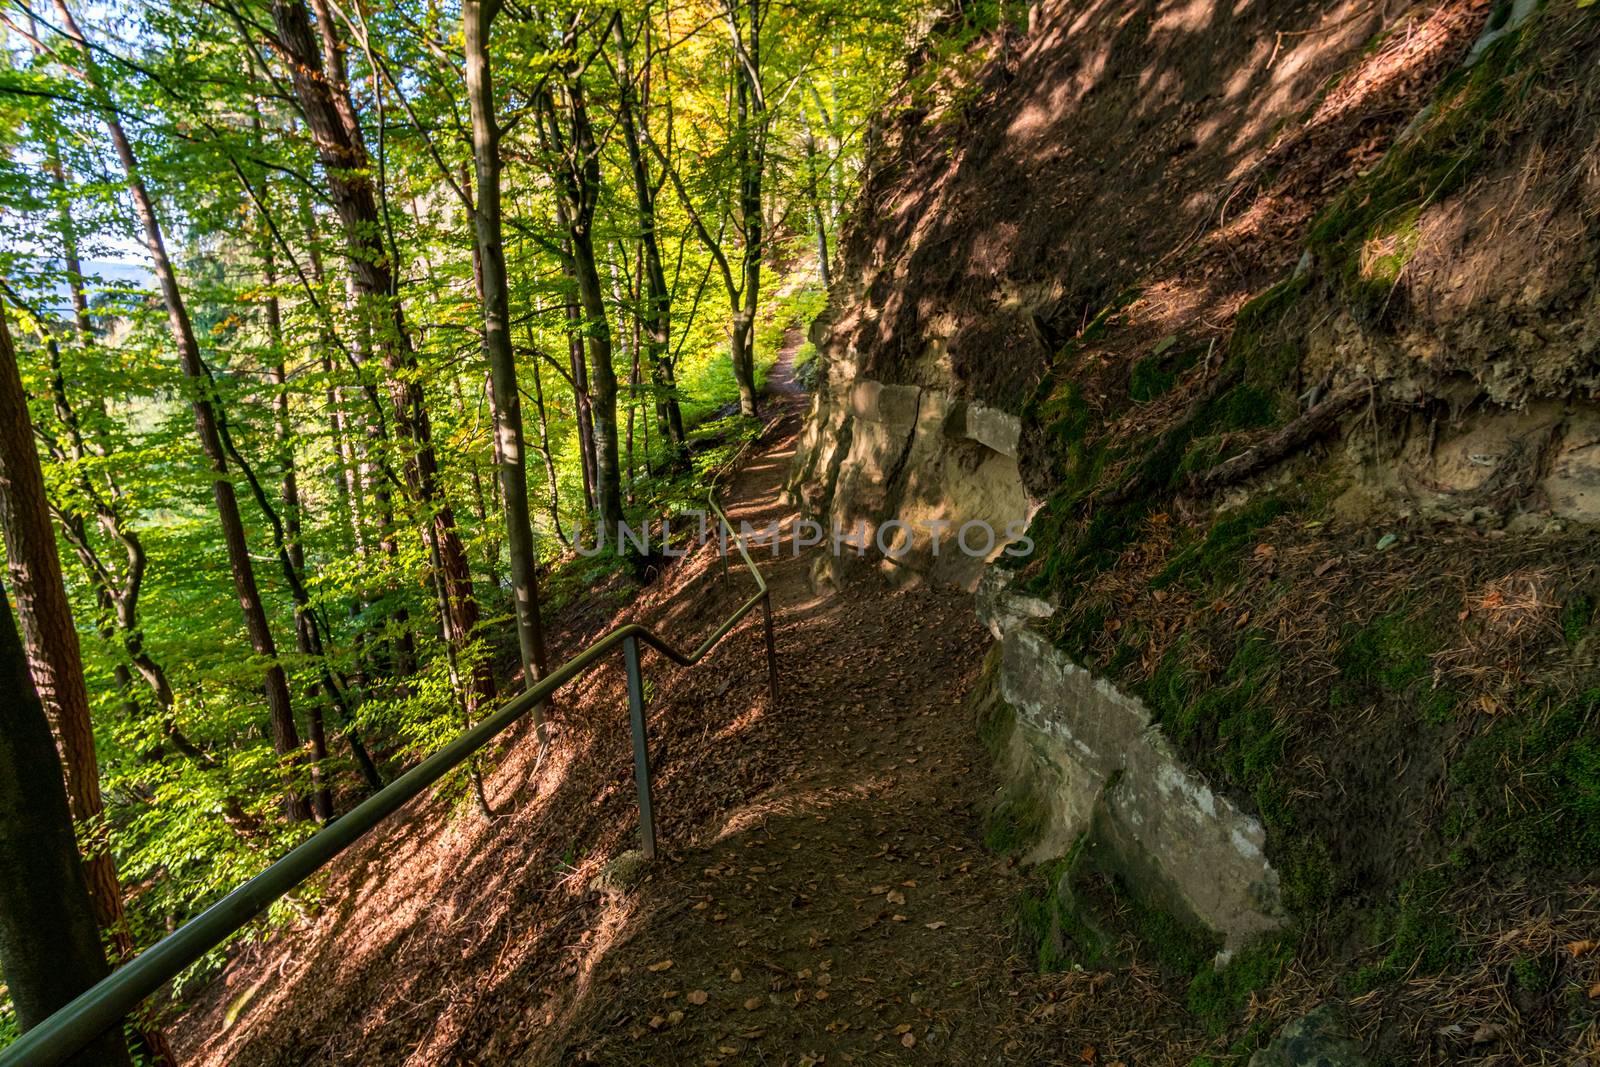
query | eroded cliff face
[928, 478]
[1281, 326]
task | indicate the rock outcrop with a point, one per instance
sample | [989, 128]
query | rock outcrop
[1093, 762]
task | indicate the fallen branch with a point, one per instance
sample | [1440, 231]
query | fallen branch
[1314, 423]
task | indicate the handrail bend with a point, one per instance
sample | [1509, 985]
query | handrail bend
[104, 1004]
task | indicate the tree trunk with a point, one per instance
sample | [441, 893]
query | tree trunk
[813, 194]
[48, 631]
[325, 101]
[603, 386]
[544, 446]
[285, 737]
[49, 945]
[577, 181]
[306, 642]
[656, 313]
[477, 20]
[751, 114]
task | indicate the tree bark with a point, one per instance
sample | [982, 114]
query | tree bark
[325, 102]
[48, 630]
[477, 21]
[750, 108]
[285, 737]
[306, 641]
[544, 444]
[577, 177]
[49, 944]
[656, 313]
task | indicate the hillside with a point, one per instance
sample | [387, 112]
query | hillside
[1281, 325]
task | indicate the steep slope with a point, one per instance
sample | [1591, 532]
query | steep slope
[1281, 324]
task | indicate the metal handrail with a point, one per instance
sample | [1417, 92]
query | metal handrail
[104, 1004]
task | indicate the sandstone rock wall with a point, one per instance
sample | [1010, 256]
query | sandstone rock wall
[1093, 761]
[912, 466]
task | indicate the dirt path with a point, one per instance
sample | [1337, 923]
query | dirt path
[823, 893]
[848, 911]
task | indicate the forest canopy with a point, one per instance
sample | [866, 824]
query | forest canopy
[337, 326]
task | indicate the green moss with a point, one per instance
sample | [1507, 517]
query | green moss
[1054, 930]
[1420, 934]
[1015, 824]
[994, 727]
[1308, 879]
[1577, 615]
[1180, 947]
[1155, 375]
[1216, 557]
[1528, 790]
[1391, 651]
[1122, 657]
[1082, 626]
[1218, 997]
[1369, 233]
[1531, 974]
[1149, 380]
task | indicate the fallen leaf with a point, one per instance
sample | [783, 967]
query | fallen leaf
[1582, 948]
[736, 975]
[1594, 991]
[894, 896]
[657, 1022]
[664, 965]
[674, 1018]
[939, 925]
[752, 1004]
[903, 1028]
[909, 1041]
[1325, 566]
[698, 997]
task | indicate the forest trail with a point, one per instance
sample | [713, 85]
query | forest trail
[848, 910]
[823, 893]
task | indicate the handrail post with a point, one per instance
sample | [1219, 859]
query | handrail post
[641, 747]
[772, 651]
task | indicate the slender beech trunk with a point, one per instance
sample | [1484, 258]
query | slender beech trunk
[306, 642]
[544, 444]
[577, 177]
[656, 311]
[285, 736]
[580, 374]
[750, 109]
[324, 98]
[50, 947]
[477, 22]
[814, 198]
[346, 484]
